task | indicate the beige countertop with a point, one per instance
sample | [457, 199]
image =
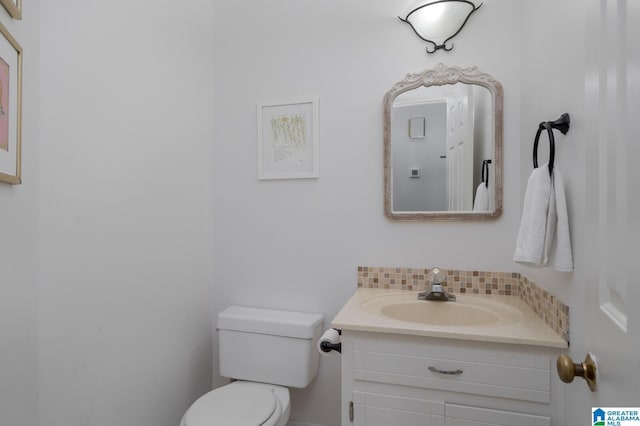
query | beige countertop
[517, 323]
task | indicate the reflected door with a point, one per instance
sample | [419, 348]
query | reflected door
[460, 150]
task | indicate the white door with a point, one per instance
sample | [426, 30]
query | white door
[612, 283]
[460, 149]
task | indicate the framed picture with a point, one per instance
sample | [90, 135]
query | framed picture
[14, 7]
[417, 127]
[10, 108]
[288, 140]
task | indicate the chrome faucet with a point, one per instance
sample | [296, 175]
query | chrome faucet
[437, 292]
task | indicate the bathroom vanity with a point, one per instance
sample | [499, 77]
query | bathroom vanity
[401, 368]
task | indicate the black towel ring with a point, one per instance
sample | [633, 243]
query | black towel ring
[485, 166]
[561, 124]
[552, 146]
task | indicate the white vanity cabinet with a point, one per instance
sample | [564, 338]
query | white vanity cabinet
[390, 379]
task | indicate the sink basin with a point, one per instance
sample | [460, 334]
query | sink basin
[467, 311]
[478, 317]
[439, 313]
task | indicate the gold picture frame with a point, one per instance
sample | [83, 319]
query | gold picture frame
[10, 108]
[14, 7]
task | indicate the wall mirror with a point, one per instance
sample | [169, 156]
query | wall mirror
[443, 146]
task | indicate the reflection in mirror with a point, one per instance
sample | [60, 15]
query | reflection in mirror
[441, 126]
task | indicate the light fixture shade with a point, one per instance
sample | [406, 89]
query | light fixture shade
[437, 22]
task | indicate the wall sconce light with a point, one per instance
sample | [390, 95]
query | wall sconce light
[437, 22]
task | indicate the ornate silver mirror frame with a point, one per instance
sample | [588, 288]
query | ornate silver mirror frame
[441, 75]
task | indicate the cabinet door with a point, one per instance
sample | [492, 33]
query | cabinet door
[460, 415]
[373, 409]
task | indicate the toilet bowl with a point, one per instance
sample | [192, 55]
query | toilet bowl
[266, 351]
[241, 403]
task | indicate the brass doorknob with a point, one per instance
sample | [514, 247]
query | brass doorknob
[567, 370]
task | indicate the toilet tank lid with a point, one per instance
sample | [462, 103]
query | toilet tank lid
[269, 321]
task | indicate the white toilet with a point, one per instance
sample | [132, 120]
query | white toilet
[267, 351]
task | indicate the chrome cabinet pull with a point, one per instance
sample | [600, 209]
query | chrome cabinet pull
[449, 372]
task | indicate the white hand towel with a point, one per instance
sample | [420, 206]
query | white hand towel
[530, 245]
[543, 238]
[481, 203]
[560, 257]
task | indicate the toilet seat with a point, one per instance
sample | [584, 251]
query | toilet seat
[237, 404]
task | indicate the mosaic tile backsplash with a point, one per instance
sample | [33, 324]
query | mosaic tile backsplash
[544, 304]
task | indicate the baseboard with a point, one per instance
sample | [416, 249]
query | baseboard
[294, 423]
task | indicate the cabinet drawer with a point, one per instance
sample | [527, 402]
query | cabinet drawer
[374, 409]
[460, 415]
[476, 370]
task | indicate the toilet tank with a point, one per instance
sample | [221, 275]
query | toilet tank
[269, 346]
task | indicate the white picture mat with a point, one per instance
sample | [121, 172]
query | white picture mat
[8, 159]
[288, 140]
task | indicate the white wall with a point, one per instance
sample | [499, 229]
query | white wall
[428, 192]
[296, 244]
[553, 83]
[125, 211]
[19, 248]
